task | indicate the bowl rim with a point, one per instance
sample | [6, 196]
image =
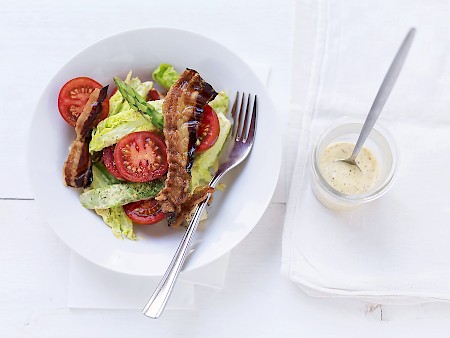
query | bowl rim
[264, 204]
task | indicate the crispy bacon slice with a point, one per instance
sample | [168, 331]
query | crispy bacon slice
[77, 168]
[182, 109]
[199, 195]
[77, 165]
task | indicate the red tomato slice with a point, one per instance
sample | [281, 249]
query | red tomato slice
[73, 97]
[153, 95]
[141, 156]
[144, 212]
[110, 164]
[208, 130]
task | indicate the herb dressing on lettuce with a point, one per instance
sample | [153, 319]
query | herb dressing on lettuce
[347, 178]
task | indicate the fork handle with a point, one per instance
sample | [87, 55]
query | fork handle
[159, 299]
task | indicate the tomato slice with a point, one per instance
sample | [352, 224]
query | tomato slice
[110, 164]
[208, 130]
[144, 212]
[153, 95]
[73, 97]
[141, 156]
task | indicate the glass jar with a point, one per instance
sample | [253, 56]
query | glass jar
[379, 143]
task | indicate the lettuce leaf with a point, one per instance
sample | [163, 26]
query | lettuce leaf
[119, 222]
[113, 128]
[157, 104]
[101, 177]
[206, 163]
[165, 75]
[115, 217]
[115, 103]
[115, 195]
[221, 103]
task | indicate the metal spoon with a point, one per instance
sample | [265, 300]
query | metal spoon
[383, 94]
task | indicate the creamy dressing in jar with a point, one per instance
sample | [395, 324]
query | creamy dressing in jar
[347, 178]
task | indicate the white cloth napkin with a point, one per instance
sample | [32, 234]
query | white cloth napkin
[93, 287]
[398, 247]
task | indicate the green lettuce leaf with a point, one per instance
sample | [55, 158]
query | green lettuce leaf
[165, 75]
[115, 103]
[115, 195]
[206, 163]
[113, 128]
[101, 177]
[119, 222]
[115, 217]
[157, 104]
[220, 103]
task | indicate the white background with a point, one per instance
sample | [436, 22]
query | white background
[36, 39]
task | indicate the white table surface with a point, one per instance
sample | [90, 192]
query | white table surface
[37, 38]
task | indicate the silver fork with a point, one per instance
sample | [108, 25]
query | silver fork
[236, 149]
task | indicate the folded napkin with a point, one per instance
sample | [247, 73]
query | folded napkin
[93, 287]
[398, 247]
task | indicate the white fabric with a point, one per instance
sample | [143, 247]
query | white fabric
[398, 247]
[93, 287]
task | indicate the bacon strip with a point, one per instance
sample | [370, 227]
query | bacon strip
[182, 109]
[199, 195]
[77, 168]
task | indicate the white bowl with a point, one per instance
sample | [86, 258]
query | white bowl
[234, 212]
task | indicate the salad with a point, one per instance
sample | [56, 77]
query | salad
[147, 151]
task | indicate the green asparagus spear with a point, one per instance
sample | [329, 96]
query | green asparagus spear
[138, 103]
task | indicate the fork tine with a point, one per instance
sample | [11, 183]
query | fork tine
[243, 134]
[252, 129]
[236, 114]
[233, 109]
[233, 115]
[238, 120]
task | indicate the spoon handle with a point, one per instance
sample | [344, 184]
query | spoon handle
[384, 91]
